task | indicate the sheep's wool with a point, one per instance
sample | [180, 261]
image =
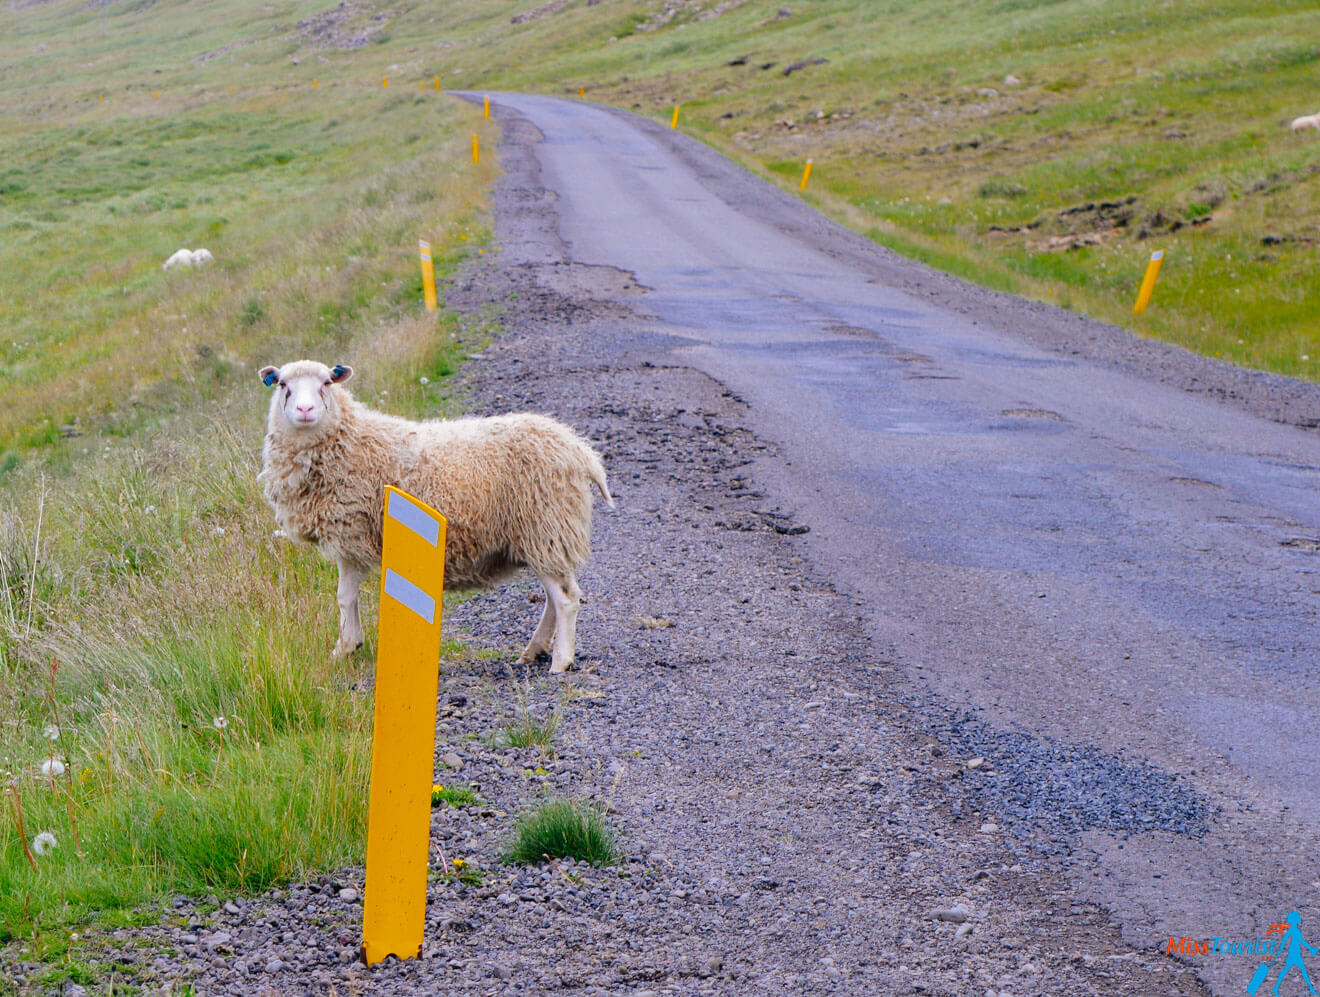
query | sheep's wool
[516, 489]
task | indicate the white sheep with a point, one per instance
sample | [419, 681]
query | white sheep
[187, 258]
[516, 490]
[1306, 121]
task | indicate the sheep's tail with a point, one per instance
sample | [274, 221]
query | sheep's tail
[596, 471]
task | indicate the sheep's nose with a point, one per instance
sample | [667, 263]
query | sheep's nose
[306, 410]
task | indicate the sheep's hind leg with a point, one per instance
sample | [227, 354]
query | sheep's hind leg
[350, 622]
[566, 598]
[540, 642]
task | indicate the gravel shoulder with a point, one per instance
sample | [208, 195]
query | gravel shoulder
[793, 821]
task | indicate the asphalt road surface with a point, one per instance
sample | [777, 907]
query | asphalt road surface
[1096, 559]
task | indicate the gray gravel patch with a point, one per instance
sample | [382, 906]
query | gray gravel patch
[1049, 792]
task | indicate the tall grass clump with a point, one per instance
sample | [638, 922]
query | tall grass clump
[560, 829]
[527, 730]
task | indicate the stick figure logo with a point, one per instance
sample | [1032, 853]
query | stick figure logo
[1290, 947]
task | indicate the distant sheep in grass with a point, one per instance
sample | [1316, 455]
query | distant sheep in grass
[1305, 122]
[516, 490]
[188, 258]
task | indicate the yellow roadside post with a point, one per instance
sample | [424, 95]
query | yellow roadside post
[384, 81]
[316, 85]
[476, 150]
[674, 122]
[428, 274]
[582, 91]
[437, 81]
[1148, 282]
[485, 107]
[806, 175]
[403, 738]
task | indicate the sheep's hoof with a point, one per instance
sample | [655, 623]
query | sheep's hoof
[530, 655]
[342, 651]
[559, 667]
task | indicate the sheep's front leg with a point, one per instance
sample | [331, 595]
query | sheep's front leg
[566, 599]
[540, 642]
[350, 622]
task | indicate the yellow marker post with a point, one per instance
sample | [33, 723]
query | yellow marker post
[428, 274]
[421, 85]
[316, 85]
[582, 91]
[155, 95]
[476, 150]
[1148, 282]
[806, 175]
[437, 81]
[384, 81]
[403, 743]
[485, 107]
[674, 122]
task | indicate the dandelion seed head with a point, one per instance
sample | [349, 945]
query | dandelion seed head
[424, 381]
[219, 723]
[52, 768]
[51, 732]
[44, 843]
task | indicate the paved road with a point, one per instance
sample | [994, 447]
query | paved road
[1091, 560]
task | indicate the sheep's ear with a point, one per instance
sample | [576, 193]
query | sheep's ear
[269, 375]
[341, 373]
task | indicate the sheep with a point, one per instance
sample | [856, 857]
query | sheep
[187, 258]
[1306, 121]
[516, 490]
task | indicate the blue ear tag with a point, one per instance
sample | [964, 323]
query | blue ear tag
[338, 372]
[270, 378]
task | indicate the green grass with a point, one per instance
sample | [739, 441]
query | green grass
[526, 730]
[563, 829]
[454, 796]
[146, 607]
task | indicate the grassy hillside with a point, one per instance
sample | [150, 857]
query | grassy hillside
[1041, 147]
[168, 709]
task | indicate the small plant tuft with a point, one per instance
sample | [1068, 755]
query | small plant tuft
[455, 796]
[563, 829]
[528, 732]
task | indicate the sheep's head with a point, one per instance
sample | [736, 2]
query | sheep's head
[303, 394]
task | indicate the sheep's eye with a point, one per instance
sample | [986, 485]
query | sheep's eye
[328, 382]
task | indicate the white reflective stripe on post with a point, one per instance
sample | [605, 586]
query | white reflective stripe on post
[401, 510]
[410, 595]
